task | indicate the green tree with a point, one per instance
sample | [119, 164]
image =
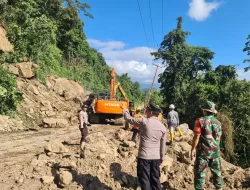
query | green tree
[237, 105]
[50, 33]
[156, 98]
[183, 65]
[247, 49]
[189, 79]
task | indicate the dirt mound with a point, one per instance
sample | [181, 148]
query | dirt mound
[54, 105]
[5, 45]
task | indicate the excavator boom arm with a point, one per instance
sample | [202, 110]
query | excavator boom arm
[112, 85]
[118, 85]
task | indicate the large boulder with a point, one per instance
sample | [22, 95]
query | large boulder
[122, 134]
[12, 69]
[128, 144]
[165, 166]
[185, 157]
[167, 163]
[184, 128]
[68, 89]
[55, 122]
[25, 69]
[55, 146]
[97, 144]
[65, 178]
[47, 179]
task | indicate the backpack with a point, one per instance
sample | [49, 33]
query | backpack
[172, 116]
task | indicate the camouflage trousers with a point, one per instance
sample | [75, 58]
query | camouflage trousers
[200, 172]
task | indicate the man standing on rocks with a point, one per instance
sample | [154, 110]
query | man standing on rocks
[83, 120]
[173, 122]
[151, 148]
[207, 134]
[135, 128]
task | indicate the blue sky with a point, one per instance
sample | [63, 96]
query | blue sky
[117, 31]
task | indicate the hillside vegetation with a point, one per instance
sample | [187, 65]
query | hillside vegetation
[50, 33]
[189, 78]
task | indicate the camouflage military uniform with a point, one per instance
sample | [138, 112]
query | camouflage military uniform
[208, 151]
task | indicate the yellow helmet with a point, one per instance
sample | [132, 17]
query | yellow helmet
[138, 109]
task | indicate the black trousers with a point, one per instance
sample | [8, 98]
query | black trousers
[135, 132]
[148, 172]
[84, 133]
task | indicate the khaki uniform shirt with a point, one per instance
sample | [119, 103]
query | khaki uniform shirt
[152, 136]
[83, 119]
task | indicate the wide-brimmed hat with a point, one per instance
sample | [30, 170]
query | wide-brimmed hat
[208, 106]
[171, 106]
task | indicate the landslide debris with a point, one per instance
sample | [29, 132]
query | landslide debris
[54, 104]
[110, 163]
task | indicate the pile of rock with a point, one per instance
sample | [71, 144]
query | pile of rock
[10, 124]
[110, 163]
[55, 105]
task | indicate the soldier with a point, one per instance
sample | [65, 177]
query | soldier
[83, 120]
[207, 134]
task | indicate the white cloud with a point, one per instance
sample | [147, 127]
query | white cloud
[200, 9]
[106, 45]
[243, 75]
[135, 61]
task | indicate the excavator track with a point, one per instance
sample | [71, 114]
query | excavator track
[94, 118]
[119, 120]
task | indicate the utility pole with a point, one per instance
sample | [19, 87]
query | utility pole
[150, 90]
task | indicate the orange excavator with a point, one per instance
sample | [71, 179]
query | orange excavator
[105, 107]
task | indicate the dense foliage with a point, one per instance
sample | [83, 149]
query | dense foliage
[9, 95]
[156, 98]
[51, 34]
[247, 49]
[189, 79]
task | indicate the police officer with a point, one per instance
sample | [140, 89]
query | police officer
[83, 120]
[206, 147]
[151, 148]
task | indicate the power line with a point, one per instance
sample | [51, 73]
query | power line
[143, 25]
[151, 22]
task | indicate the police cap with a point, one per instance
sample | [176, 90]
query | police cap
[154, 108]
[84, 106]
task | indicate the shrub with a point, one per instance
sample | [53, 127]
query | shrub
[9, 94]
